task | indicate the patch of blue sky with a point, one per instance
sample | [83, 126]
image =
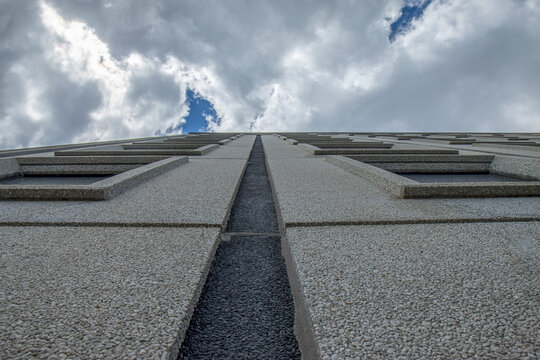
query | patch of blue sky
[411, 10]
[200, 111]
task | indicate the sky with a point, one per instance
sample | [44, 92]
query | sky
[89, 70]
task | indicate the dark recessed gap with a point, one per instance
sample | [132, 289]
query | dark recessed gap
[53, 179]
[246, 309]
[457, 177]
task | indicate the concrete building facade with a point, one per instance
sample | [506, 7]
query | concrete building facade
[396, 245]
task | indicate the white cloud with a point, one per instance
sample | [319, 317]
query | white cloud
[81, 71]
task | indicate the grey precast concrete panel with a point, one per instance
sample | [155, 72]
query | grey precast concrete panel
[394, 151]
[419, 290]
[313, 191]
[9, 167]
[403, 188]
[226, 152]
[236, 149]
[100, 190]
[530, 152]
[277, 149]
[302, 187]
[86, 160]
[46, 149]
[534, 150]
[359, 145]
[156, 152]
[433, 167]
[457, 177]
[438, 158]
[245, 140]
[161, 146]
[197, 193]
[525, 168]
[472, 189]
[95, 292]
[74, 170]
[52, 180]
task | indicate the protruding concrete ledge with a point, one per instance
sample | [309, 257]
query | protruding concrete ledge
[81, 170]
[386, 180]
[162, 146]
[81, 165]
[303, 326]
[87, 160]
[9, 167]
[351, 145]
[524, 168]
[410, 158]
[505, 146]
[101, 190]
[314, 150]
[480, 189]
[441, 167]
[133, 224]
[199, 151]
[309, 148]
[405, 188]
[42, 149]
[427, 163]
[460, 220]
[520, 143]
[292, 141]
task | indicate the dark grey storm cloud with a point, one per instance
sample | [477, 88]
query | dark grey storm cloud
[74, 70]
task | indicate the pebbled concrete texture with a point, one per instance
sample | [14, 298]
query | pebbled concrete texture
[466, 149]
[456, 177]
[236, 149]
[245, 140]
[402, 187]
[52, 180]
[303, 191]
[100, 190]
[76, 169]
[513, 166]
[96, 293]
[86, 160]
[198, 192]
[316, 192]
[276, 148]
[233, 152]
[230, 152]
[8, 168]
[421, 291]
[433, 167]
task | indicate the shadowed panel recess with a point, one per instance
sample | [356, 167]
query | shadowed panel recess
[246, 310]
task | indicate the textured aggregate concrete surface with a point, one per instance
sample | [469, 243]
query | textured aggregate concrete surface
[315, 191]
[468, 149]
[421, 291]
[99, 293]
[229, 152]
[198, 192]
[453, 177]
[52, 180]
[236, 149]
